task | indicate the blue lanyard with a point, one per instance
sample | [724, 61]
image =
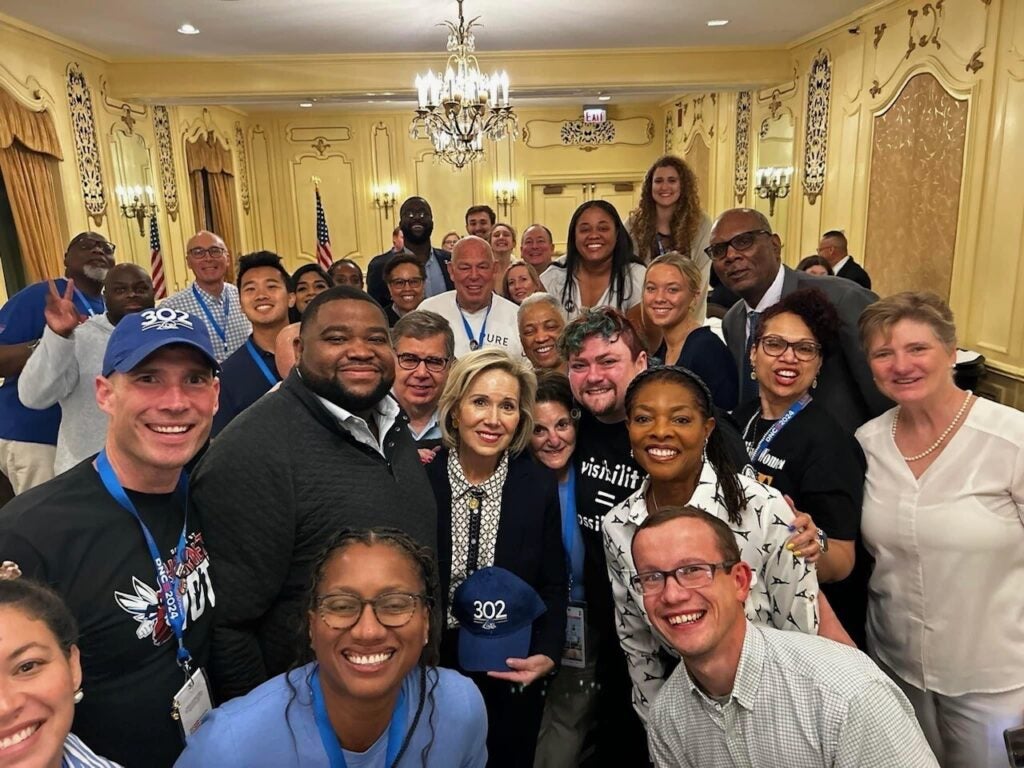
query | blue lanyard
[478, 342]
[657, 242]
[332, 746]
[170, 585]
[209, 315]
[569, 521]
[260, 362]
[772, 433]
[86, 303]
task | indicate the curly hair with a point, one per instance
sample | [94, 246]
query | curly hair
[606, 322]
[813, 307]
[686, 217]
[717, 451]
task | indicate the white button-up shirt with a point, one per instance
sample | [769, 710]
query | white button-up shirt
[384, 416]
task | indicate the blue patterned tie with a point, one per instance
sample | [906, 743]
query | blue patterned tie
[748, 388]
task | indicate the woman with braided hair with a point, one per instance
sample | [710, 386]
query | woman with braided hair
[372, 694]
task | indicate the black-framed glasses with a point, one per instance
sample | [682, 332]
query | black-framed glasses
[91, 244]
[690, 576]
[213, 252]
[741, 242]
[406, 282]
[392, 609]
[411, 362]
[776, 346]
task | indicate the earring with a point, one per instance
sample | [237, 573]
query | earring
[753, 376]
[814, 384]
[704, 452]
[631, 456]
[455, 423]
[79, 695]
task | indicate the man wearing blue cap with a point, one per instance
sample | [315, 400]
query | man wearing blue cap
[112, 536]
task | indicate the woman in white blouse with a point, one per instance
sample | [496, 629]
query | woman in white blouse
[944, 519]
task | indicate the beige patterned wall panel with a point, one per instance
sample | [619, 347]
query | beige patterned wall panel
[265, 224]
[698, 157]
[337, 191]
[914, 194]
[449, 192]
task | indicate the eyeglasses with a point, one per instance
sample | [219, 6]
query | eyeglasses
[415, 214]
[691, 576]
[740, 242]
[91, 244]
[393, 610]
[213, 252]
[411, 362]
[776, 346]
[408, 282]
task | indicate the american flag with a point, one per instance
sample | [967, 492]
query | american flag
[156, 261]
[323, 238]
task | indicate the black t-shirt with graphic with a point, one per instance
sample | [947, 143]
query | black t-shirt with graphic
[821, 467]
[72, 535]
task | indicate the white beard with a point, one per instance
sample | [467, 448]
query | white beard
[99, 274]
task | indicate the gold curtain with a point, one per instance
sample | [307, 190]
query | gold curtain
[28, 152]
[199, 200]
[208, 154]
[225, 223]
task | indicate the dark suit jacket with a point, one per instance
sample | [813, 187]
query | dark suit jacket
[529, 541]
[853, 271]
[376, 287]
[845, 386]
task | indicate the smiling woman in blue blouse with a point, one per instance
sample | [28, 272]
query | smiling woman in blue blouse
[373, 696]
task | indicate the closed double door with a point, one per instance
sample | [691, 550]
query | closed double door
[553, 203]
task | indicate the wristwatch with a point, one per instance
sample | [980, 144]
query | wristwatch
[823, 540]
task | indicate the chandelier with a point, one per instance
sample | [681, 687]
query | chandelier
[458, 110]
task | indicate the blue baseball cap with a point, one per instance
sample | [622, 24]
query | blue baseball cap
[496, 610]
[140, 334]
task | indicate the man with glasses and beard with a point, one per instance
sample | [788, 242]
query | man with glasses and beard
[417, 224]
[328, 450]
[210, 297]
[28, 438]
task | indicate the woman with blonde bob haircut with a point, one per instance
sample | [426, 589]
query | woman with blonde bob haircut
[498, 507]
[943, 518]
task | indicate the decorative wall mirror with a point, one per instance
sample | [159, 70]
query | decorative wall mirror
[135, 191]
[773, 171]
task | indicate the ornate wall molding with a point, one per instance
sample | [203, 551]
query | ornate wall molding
[129, 114]
[168, 185]
[930, 37]
[668, 133]
[637, 131]
[30, 93]
[243, 169]
[83, 127]
[319, 138]
[741, 175]
[819, 94]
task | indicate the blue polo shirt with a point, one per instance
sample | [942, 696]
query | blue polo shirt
[22, 321]
[242, 382]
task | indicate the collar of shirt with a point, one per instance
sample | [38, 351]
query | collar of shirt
[214, 301]
[840, 264]
[748, 672]
[385, 415]
[425, 433]
[461, 486]
[772, 296]
[704, 495]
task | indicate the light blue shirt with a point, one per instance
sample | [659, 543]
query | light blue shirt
[435, 277]
[274, 727]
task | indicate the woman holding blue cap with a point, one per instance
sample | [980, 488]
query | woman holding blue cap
[373, 695]
[497, 507]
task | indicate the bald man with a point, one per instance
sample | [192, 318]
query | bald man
[209, 297]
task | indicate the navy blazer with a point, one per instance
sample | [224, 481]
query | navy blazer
[529, 541]
[845, 385]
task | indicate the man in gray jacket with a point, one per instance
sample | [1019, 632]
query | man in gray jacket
[63, 368]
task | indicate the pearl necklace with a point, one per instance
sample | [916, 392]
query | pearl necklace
[943, 436]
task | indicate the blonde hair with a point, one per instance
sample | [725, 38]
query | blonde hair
[687, 268]
[921, 307]
[465, 371]
[537, 284]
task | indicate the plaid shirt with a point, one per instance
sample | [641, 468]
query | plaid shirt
[236, 326]
[784, 595]
[797, 701]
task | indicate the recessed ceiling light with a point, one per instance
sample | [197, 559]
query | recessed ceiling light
[718, 22]
[187, 29]
[305, 104]
[604, 98]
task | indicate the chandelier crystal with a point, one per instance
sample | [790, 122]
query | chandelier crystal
[459, 109]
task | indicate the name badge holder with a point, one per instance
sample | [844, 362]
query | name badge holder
[192, 703]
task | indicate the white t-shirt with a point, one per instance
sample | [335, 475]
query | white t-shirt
[554, 280]
[500, 328]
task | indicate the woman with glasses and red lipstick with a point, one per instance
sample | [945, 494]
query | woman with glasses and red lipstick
[798, 448]
[373, 694]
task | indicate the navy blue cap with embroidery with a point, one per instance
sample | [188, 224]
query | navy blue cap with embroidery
[496, 610]
[140, 334]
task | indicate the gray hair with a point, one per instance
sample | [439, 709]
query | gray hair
[422, 324]
[541, 298]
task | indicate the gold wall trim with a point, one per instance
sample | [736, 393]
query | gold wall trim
[819, 95]
[87, 151]
[243, 168]
[636, 131]
[741, 170]
[165, 154]
[30, 94]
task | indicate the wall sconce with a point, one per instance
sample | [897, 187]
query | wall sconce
[130, 200]
[505, 194]
[385, 197]
[773, 184]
